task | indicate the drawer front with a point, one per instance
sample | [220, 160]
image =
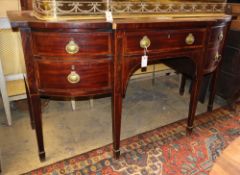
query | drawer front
[217, 35]
[164, 40]
[83, 77]
[212, 60]
[71, 44]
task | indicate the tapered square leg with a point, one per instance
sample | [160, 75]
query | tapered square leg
[117, 95]
[116, 123]
[196, 83]
[212, 91]
[189, 130]
[182, 85]
[36, 104]
[116, 154]
[30, 107]
[42, 156]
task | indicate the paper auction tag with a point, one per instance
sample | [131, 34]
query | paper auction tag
[109, 17]
[144, 61]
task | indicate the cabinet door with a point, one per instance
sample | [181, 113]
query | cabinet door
[229, 76]
[231, 60]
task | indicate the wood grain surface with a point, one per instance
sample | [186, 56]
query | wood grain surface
[229, 161]
[108, 55]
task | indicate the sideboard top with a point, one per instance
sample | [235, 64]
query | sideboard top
[23, 19]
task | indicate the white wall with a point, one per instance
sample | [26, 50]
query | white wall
[6, 5]
[10, 42]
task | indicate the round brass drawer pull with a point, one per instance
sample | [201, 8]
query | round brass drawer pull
[145, 42]
[217, 57]
[72, 47]
[190, 39]
[73, 77]
[220, 37]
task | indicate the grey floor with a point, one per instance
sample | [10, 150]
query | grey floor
[68, 133]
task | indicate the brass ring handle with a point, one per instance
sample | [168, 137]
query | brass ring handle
[145, 42]
[217, 57]
[72, 47]
[73, 77]
[190, 39]
[220, 37]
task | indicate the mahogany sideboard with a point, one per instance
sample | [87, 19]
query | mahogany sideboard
[91, 57]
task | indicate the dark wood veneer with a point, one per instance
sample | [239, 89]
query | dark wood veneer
[228, 84]
[173, 40]
[215, 33]
[52, 76]
[52, 43]
[108, 55]
[209, 63]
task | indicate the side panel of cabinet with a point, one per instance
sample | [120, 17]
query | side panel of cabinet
[229, 76]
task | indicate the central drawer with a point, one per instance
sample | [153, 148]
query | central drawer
[73, 77]
[82, 44]
[164, 40]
